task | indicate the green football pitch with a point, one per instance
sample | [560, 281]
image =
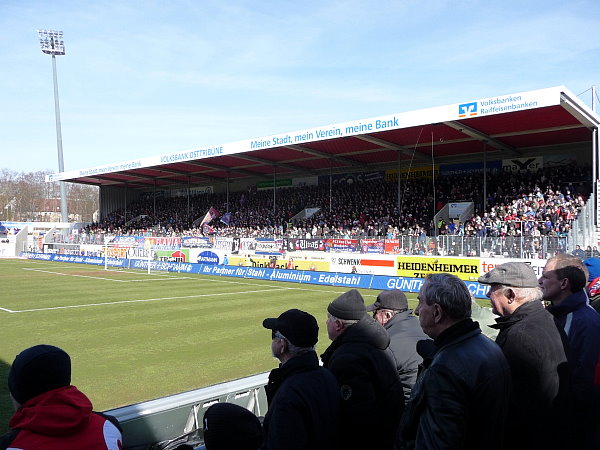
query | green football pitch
[134, 336]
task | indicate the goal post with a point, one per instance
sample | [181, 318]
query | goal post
[129, 252]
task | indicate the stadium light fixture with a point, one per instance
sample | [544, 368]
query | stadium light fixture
[53, 44]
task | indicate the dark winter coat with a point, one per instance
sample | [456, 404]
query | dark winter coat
[304, 406]
[371, 392]
[579, 324]
[405, 331]
[461, 396]
[539, 368]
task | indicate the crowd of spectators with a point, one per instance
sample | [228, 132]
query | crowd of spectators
[542, 203]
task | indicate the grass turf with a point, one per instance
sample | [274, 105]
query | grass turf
[134, 336]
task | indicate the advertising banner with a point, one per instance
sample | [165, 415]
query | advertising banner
[223, 244]
[275, 262]
[164, 243]
[419, 267]
[268, 246]
[127, 241]
[247, 244]
[182, 255]
[391, 246]
[522, 165]
[358, 264]
[314, 245]
[341, 245]
[372, 245]
[488, 264]
[412, 173]
[196, 242]
[366, 281]
[466, 168]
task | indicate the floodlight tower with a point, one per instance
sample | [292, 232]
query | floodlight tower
[52, 43]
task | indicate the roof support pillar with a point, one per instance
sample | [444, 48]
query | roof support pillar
[484, 202]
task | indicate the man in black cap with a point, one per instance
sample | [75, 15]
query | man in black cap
[534, 351]
[391, 310]
[303, 397]
[371, 392]
[52, 414]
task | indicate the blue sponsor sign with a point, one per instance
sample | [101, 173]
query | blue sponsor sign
[208, 257]
[350, 280]
[466, 110]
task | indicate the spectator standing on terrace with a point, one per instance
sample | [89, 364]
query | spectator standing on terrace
[50, 413]
[371, 392]
[563, 283]
[534, 351]
[303, 397]
[391, 311]
[461, 396]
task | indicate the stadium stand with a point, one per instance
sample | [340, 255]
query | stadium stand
[544, 203]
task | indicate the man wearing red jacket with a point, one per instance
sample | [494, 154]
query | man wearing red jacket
[50, 413]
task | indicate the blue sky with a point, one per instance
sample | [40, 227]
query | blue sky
[141, 78]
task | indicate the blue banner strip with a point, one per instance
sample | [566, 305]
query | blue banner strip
[377, 282]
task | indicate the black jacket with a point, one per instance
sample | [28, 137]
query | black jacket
[460, 398]
[371, 392]
[304, 406]
[539, 368]
[405, 331]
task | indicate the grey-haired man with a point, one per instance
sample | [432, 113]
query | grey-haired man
[391, 311]
[534, 351]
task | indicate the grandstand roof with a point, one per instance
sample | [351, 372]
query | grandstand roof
[506, 126]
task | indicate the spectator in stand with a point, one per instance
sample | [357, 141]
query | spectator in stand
[461, 396]
[563, 284]
[578, 252]
[303, 397]
[50, 413]
[534, 351]
[228, 426]
[520, 204]
[391, 311]
[371, 393]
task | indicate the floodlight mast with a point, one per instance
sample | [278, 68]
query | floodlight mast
[52, 43]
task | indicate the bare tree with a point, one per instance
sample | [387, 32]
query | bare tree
[27, 197]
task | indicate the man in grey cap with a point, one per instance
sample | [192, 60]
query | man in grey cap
[391, 311]
[534, 351]
[371, 392]
[303, 397]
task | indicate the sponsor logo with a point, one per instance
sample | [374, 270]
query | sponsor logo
[467, 110]
[208, 258]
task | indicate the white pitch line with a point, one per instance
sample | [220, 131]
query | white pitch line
[102, 278]
[139, 301]
[7, 310]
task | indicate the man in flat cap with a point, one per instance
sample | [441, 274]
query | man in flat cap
[534, 351]
[391, 311]
[50, 413]
[303, 397]
[370, 389]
